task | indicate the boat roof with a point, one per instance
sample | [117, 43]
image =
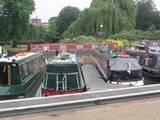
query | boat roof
[151, 51]
[17, 57]
[63, 58]
[122, 64]
[105, 51]
[151, 42]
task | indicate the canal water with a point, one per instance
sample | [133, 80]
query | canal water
[87, 59]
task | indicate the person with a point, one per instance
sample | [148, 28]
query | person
[56, 52]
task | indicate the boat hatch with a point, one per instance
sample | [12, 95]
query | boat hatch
[9, 74]
[63, 82]
[5, 74]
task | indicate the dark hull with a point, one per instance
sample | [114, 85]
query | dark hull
[151, 73]
[30, 90]
[16, 96]
[125, 76]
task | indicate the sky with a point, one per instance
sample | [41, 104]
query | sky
[45, 9]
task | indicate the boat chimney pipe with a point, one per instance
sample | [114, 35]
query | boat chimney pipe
[1, 52]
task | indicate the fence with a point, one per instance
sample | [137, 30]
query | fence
[60, 47]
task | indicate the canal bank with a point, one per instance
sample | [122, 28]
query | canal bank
[135, 110]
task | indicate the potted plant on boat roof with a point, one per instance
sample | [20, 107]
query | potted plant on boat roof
[64, 55]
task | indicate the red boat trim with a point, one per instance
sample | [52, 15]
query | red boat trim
[123, 56]
[46, 92]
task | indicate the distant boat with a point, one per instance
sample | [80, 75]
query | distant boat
[21, 74]
[118, 68]
[63, 76]
[149, 59]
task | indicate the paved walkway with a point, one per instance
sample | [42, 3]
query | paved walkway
[137, 110]
[94, 81]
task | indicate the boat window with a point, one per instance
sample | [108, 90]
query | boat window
[147, 61]
[157, 65]
[33, 66]
[5, 74]
[141, 60]
[42, 60]
[158, 58]
[153, 60]
[15, 74]
[25, 70]
[63, 82]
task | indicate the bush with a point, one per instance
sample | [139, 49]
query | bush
[79, 39]
[83, 39]
[137, 35]
[120, 42]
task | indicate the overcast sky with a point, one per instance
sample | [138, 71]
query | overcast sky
[45, 9]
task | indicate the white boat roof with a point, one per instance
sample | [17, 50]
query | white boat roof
[16, 57]
[70, 58]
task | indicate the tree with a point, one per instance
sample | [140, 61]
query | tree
[147, 15]
[14, 20]
[114, 15]
[36, 33]
[52, 31]
[66, 17]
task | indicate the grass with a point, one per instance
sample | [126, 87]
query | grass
[17, 49]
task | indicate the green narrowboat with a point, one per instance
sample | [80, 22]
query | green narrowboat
[63, 76]
[21, 74]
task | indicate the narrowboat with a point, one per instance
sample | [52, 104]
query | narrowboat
[63, 76]
[118, 68]
[21, 74]
[149, 59]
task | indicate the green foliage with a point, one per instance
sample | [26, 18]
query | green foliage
[120, 42]
[66, 17]
[85, 39]
[14, 19]
[152, 28]
[36, 33]
[80, 39]
[52, 31]
[114, 15]
[147, 15]
[137, 35]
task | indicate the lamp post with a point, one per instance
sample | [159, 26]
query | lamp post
[101, 31]
[101, 26]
